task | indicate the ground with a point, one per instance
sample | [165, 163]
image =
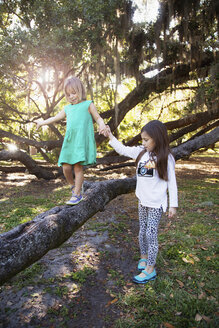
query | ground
[77, 285]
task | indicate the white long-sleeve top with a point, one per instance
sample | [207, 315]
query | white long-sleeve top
[151, 190]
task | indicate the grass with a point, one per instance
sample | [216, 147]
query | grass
[19, 210]
[185, 292]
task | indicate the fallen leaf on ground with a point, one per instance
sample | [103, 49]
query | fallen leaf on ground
[112, 302]
[188, 260]
[181, 284]
[198, 317]
[195, 257]
[201, 296]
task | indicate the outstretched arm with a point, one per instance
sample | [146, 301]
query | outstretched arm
[121, 149]
[50, 120]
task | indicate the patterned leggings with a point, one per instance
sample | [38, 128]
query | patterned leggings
[149, 219]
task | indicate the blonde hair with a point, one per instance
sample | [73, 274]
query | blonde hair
[74, 83]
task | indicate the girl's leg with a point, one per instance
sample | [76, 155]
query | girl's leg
[143, 218]
[79, 178]
[67, 170]
[154, 216]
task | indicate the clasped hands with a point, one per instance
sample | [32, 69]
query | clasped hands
[105, 131]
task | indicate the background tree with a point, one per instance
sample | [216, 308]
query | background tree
[42, 42]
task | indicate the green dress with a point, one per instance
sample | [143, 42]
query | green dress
[79, 144]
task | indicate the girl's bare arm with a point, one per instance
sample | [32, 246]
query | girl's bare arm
[50, 120]
[93, 111]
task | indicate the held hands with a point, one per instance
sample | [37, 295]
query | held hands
[107, 132]
[172, 212]
[102, 129]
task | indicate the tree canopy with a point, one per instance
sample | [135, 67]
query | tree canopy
[134, 70]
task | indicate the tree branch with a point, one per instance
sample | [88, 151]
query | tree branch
[188, 147]
[48, 145]
[30, 164]
[178, 75]
[203, 119]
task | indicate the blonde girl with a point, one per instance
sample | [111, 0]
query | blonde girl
[79, 146]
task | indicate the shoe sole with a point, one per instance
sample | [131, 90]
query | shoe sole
[144, 281]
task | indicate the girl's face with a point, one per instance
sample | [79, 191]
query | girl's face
[72, 95]
[147, 142]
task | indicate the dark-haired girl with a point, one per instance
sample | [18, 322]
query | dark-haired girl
[155, 171]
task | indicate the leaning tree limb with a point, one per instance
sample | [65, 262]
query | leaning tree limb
[206, 129]
[186, 148]
[191, 128]
[31, 165]
[28, 242]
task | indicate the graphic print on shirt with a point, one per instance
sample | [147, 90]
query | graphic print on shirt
[146, 168]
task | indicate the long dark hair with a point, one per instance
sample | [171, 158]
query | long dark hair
[158, 132]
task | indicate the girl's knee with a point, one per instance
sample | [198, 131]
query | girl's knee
[67, 167]
[78, 167]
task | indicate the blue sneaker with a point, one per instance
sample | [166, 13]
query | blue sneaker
[143, 280]
[74, 199]
[141, 266]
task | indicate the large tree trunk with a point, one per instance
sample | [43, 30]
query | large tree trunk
[28, 242]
